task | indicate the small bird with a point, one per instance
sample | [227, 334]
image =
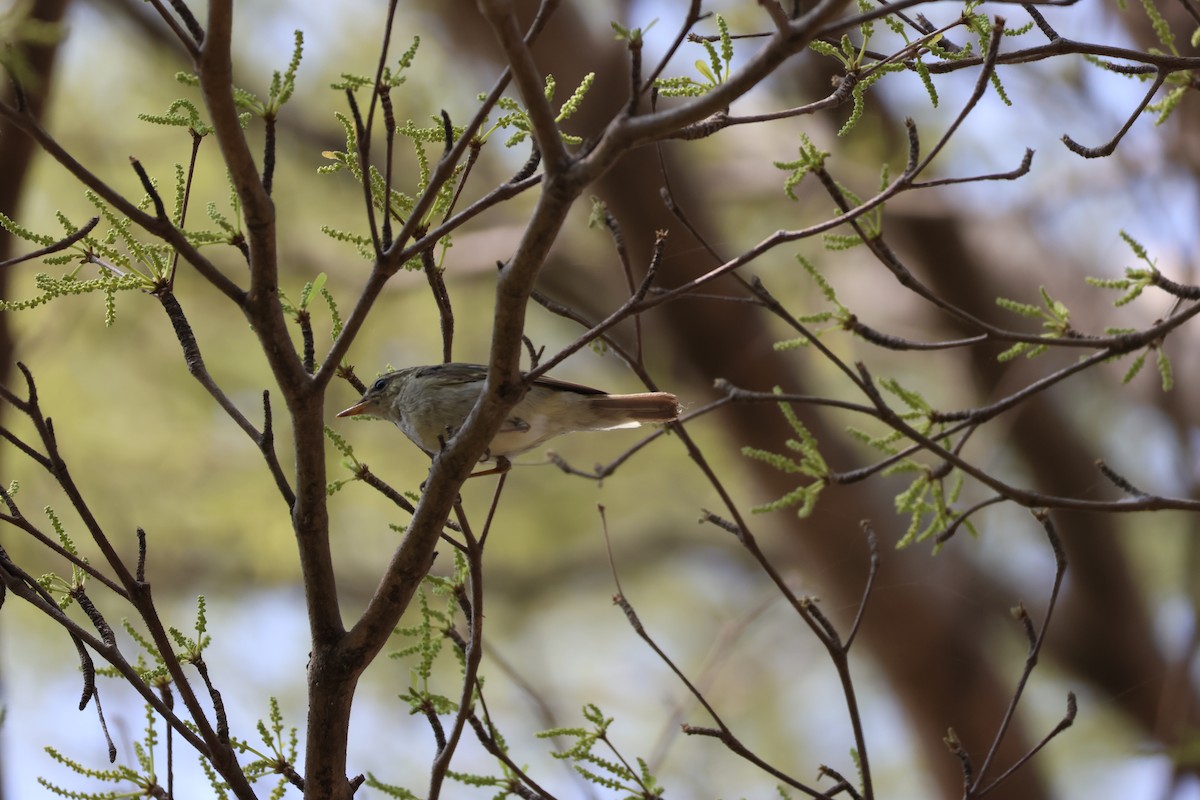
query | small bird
[430, 403]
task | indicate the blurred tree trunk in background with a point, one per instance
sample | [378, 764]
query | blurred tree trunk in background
[16, 154]
[16, 150]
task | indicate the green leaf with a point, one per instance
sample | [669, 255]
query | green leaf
[1164, 370]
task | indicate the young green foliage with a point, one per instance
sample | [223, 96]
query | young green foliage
[386, 199]
[279, 754]
[390, 78]
[1136, 279]
[391, 790]
[858, 95]
[139, 266]
[300, 314]
[811, 159]
[180, 113]
[227, 232]
[51, 582]
[1056, 323]
[929, 503]
[310, 288]
[855, 62]
[426, 644]
[1133, 284]
[982, 25]
[1179, 81]
[192, 650]
[633, 35]
[926, 80]
[1162, 28]
[1181, 86]
[427, 639]
[811, 465]
[139, 781]
[871, 222]
[277, 757]
[156, 675]
[515, 116]
[335, 317]
[840, 316]
[929, 499]
[714, 69]
[349, 461]
[1161, 361]
[123, 261]
[399, 204]
[1164, 370]
[619, 775]
[283, 85]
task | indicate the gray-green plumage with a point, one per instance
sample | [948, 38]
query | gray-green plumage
[430, 403]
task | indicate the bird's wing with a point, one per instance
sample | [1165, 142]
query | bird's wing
[566, 386]
[458, 372]
[513, 425]
[453, 373]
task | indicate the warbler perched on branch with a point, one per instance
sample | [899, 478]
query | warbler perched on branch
[430, 404]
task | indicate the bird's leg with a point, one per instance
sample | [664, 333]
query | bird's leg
[503, 465]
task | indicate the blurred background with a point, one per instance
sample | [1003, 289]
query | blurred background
[939, 648]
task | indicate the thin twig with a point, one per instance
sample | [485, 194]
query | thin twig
[61, 244]
[473, 650]
[193, 36]
[722, 731]
[872, 573]
[1109, 147]
[196, 367]
[1031, 660]
[441, 296]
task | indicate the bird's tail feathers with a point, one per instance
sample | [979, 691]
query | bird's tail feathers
[636, 409]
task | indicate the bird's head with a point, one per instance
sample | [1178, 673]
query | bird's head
[379, 399]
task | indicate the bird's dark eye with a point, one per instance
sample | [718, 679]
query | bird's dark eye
[378, 385]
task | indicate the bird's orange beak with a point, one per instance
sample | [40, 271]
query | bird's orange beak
[361, 407]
